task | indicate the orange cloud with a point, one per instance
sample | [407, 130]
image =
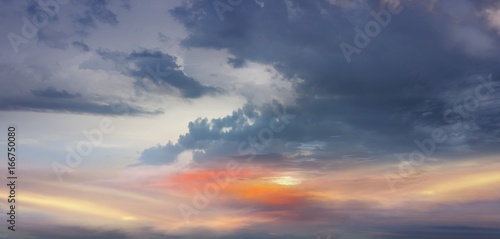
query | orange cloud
[248, 187]
[186, 181]
[267, 194]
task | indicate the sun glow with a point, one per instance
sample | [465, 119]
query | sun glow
[285, 180]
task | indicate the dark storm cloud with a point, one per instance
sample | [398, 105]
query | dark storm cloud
[33, 7]
[92, 13]
[222, 137]
[442, 232]
[393, 91]
[50, 100]
[161, 154]
[51, 92]
[160, 68]
[98, 10]
[86, 21]
[264, 236]
[80, 45]
[236, 63]
[53, 38]
[337, 221]
[76, 233]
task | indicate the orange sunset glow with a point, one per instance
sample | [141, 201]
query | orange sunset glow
[250, 119]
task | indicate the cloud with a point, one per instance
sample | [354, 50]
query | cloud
[318, 157]
[93, 12]
[98, 10]
[50, 100]
[374, 106]
[442, 232]
[161, 154]
[236, 63]
[80, 45]
[163, 38]
[159, 68]
[218, 137]
[75, 232]
[52, 38]
[51, 92]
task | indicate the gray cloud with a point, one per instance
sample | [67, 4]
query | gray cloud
[160, 68]
[221, 137]
[80, 45]
[93, 12]
[61, 101]
[51, 92]
[161, 154]
[236, 63]
[397, 231]
[76, 233]
[163, 38]
[98, 10]
[393, 92]
[53, 38]
[442, 232]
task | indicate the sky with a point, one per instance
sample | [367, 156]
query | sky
[254, 119]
